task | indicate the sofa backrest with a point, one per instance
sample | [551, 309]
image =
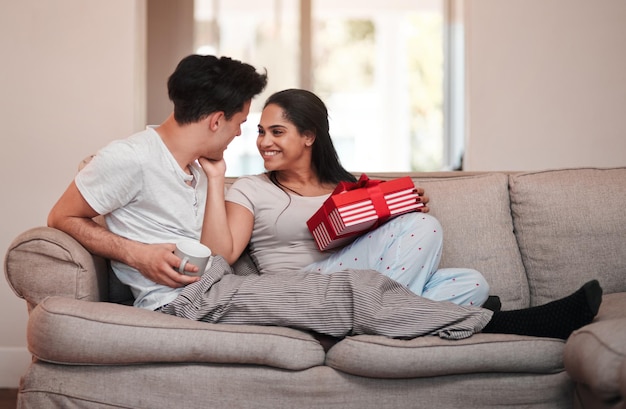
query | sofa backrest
[535, 236]
[571, 227]
[474, 211]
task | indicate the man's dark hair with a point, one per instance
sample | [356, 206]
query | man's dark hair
[203, 84]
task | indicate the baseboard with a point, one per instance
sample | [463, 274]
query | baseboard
[13, 364]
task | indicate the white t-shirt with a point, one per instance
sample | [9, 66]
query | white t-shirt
[140, 188]
[281, 241]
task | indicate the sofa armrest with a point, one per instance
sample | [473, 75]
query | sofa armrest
[594, 357]
[44, 262]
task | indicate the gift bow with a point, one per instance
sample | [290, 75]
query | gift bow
[374, 191]
[363, 181]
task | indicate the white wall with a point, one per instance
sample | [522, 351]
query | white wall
[546, 84]
[71, 79]
[170, 34]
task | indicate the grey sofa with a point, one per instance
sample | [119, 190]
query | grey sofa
[536, 236]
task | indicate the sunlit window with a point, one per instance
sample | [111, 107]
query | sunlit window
[378, 65]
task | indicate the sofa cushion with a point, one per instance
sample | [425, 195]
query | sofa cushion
[477, 207]
[570, 226]
[380, 357]
[74, 332]
[594, 356]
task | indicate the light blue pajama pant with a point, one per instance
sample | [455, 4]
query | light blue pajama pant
[408, 249]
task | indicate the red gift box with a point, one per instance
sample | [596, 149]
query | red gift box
[356, 208]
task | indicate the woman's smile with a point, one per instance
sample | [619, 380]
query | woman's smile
[269, 154]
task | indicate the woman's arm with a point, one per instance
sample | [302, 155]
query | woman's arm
[227, 227]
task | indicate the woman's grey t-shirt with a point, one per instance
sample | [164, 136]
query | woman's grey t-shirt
[281, 241]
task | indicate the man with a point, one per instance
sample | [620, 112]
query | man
[150, 186]
[152, 189]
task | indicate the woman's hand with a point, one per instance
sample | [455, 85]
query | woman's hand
[213, 168]
[423, 199]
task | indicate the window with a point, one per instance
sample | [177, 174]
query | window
[378, 66]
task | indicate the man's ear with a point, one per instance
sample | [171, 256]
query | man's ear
[214, 120]
[309, 138]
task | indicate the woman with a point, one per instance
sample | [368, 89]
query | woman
[268, 212]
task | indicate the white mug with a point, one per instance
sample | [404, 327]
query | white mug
[194, 252]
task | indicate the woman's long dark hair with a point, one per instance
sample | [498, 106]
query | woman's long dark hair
[308, 112]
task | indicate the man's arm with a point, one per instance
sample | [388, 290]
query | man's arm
[157, 262]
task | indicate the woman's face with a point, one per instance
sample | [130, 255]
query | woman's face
[280, 144]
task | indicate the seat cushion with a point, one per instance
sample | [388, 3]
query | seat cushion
[379, 357]
[74, 332]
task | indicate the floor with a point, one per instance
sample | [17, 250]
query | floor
[8, 398]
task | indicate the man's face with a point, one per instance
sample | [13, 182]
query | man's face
[228, 130]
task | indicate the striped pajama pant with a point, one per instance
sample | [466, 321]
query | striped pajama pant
[348, 302]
